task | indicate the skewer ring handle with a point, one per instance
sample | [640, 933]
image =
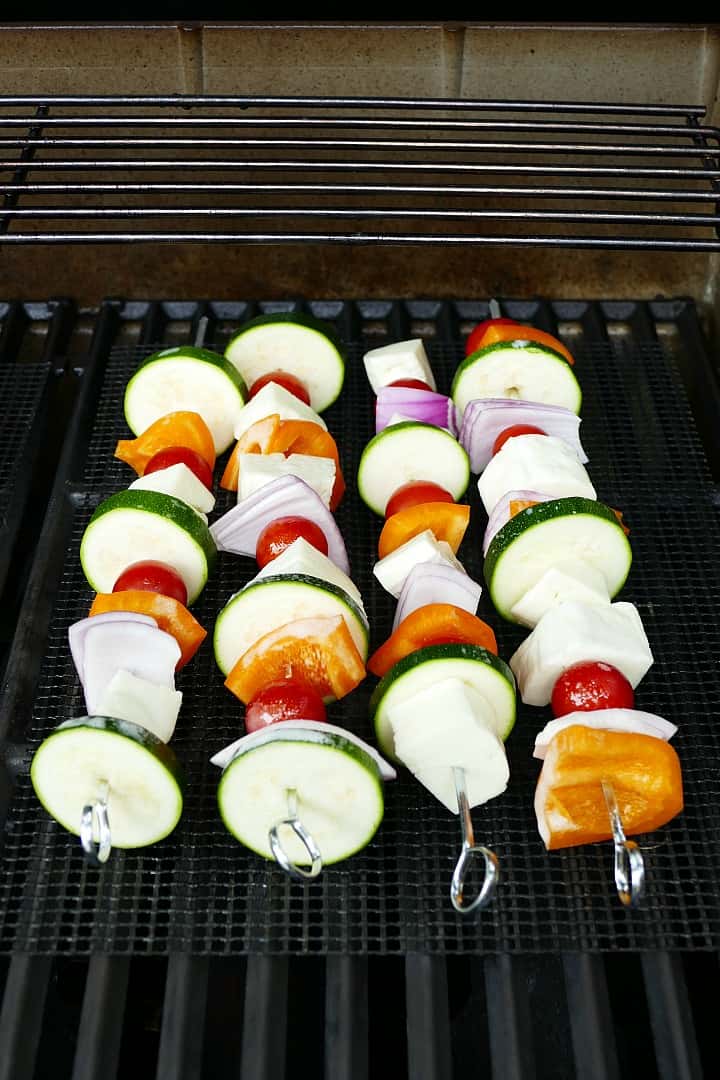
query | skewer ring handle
[629, 873]
[298, 873]
[457, 885]
[96, 853]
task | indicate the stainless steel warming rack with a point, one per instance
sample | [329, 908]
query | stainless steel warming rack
[358, 170]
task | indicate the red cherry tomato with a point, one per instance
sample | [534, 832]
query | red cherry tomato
[414, 493]
[287, 700]
[181, 455]
[152, 576]
[411, 384]
[473, 341]
[591, 685]
[282, 532]
[284, 379]
[511, 432]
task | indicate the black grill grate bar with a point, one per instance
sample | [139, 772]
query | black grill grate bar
[428, 1022]
[591, 1022]
[101, 1021]
[508, 1019]
[22, 1015]
[13, 330]
[265, 1020]
[183, 1018]
[676, 1049]
[346, 1018]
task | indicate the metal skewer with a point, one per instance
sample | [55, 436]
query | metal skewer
[201, 332]
[494, 309]
[280, 855]
[468, 850]
[629, 863]
[96, 853]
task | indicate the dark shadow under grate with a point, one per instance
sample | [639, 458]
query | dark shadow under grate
[201, 892]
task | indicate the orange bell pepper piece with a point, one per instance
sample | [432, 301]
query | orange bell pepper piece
[495, 334]
[433, 624]
[174, 429]
[319, 652]
[569, 800]
[446, 521]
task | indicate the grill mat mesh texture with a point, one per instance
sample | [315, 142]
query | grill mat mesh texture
[200, 891]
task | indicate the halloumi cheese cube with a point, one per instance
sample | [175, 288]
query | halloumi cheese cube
[274, 398]
[392, 571]
[256, 470]
[534, 463]
[128, 697]
[572, 632]
[181, 482]
[401, 360]
[300, 557]
[568, 580]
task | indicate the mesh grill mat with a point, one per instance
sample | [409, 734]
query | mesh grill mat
[199, 891]
[21, 387]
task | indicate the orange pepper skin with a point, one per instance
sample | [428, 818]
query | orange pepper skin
[433, 624]
[447, 521]
[174, 429]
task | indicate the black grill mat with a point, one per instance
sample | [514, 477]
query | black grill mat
[202, 892]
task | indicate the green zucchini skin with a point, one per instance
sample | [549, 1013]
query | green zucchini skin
[554, 510]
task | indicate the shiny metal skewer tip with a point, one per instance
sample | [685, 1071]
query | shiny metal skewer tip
[468, 852]
[629, 865]
[201, 332]
[297, 873]
[96, 853]
[494, 309]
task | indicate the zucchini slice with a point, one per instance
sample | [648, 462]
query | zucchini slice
[516, 369]
[411, 451]
[338, 787]
[269, 602]
[418, 671]
[132, 526]
[297, 344]
[144, 779]
[551, 533]
[186, 378]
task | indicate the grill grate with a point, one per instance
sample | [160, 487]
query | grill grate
[357, 170]
[200, 892]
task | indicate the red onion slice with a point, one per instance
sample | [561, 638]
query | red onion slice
[78, 630]
[424, 406]
[223, 758]
[238, 530]
[144, 651]
[436, 583]
[501, 512]
[631, 721]
[485, 418]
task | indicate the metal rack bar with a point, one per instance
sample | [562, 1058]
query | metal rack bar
[428, 1023]
[183, 1018]
[346, 1018]
[676, 1048]
[265, 1021]
[22, 1015]
[591, 1022]
[508, 1019]
[101, 1022]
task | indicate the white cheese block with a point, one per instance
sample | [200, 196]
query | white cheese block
[567, 580]
[275, 399]
[392, 571]
[534, 463]
[156, 708]
[256, 470]
[572, 632]
[402, 360]
[302, 558]
[181, 482]
[450, 725]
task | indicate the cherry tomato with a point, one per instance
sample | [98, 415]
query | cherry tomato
[182, 455]
[288, 700]
[150, 576]
[511, 432]
[414, 493]
[589, 685]
[282, 532]
[411, 384]
[473, 341]
[284, 379]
